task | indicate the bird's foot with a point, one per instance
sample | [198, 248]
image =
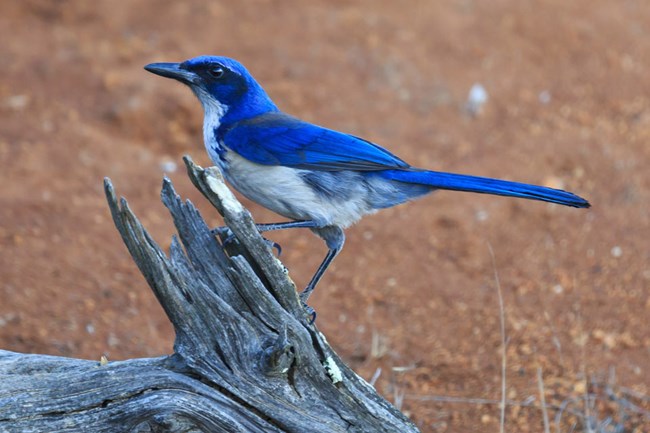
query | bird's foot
[224, 233]
[275, 245]
[227, 236]
[309, 310]
[311, 313]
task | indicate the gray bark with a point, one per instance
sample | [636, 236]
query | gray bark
[245, 357]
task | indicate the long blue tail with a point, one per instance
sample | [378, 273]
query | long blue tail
[484, 185]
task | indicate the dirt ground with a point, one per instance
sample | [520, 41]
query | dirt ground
[414, 291]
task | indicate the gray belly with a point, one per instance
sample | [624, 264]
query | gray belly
[329, 198]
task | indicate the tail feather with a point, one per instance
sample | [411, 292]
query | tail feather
[484, 185]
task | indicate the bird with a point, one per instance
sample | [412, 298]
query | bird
[318, 178]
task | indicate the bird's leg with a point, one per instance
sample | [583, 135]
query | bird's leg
[319, 273]
[332, 235]
[283, 225]
[267, 227]
[228, 236]
[334, 238]
[287, 225]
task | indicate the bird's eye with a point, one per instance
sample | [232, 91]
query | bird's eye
[216, 72]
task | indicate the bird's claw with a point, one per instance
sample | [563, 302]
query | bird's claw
[310, 312]
[275, 245]
[227, 236]
[223, 233]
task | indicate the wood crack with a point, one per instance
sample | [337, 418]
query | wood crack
[245, 357]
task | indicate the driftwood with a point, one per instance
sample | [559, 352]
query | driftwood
[245, 357]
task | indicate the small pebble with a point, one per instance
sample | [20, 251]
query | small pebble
[544, 97]
[112, 340]
[616, 251]
[17, 102]
[168, 166]
[476, 98]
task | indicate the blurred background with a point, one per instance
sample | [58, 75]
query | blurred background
[412, 300]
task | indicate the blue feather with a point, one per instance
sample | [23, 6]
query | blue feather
[484, 185]
[279, 139]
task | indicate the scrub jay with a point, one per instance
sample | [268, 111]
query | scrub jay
[321, 179]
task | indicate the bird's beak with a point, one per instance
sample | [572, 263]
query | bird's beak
[173, 70]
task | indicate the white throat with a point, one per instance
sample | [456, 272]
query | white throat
[213, 112]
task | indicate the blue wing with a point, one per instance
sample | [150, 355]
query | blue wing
[279, 139]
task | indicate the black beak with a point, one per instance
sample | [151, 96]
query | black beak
[173, 70]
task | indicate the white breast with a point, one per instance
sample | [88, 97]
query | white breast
[284, 191]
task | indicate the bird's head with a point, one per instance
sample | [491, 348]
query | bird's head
[221, 82]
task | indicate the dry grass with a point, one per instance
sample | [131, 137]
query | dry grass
[611, 409]
[596, 406]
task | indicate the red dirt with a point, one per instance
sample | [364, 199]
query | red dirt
[417, 280]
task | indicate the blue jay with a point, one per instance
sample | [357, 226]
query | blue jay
[321, 179]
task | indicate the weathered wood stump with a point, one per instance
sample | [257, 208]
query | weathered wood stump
[245, 357]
